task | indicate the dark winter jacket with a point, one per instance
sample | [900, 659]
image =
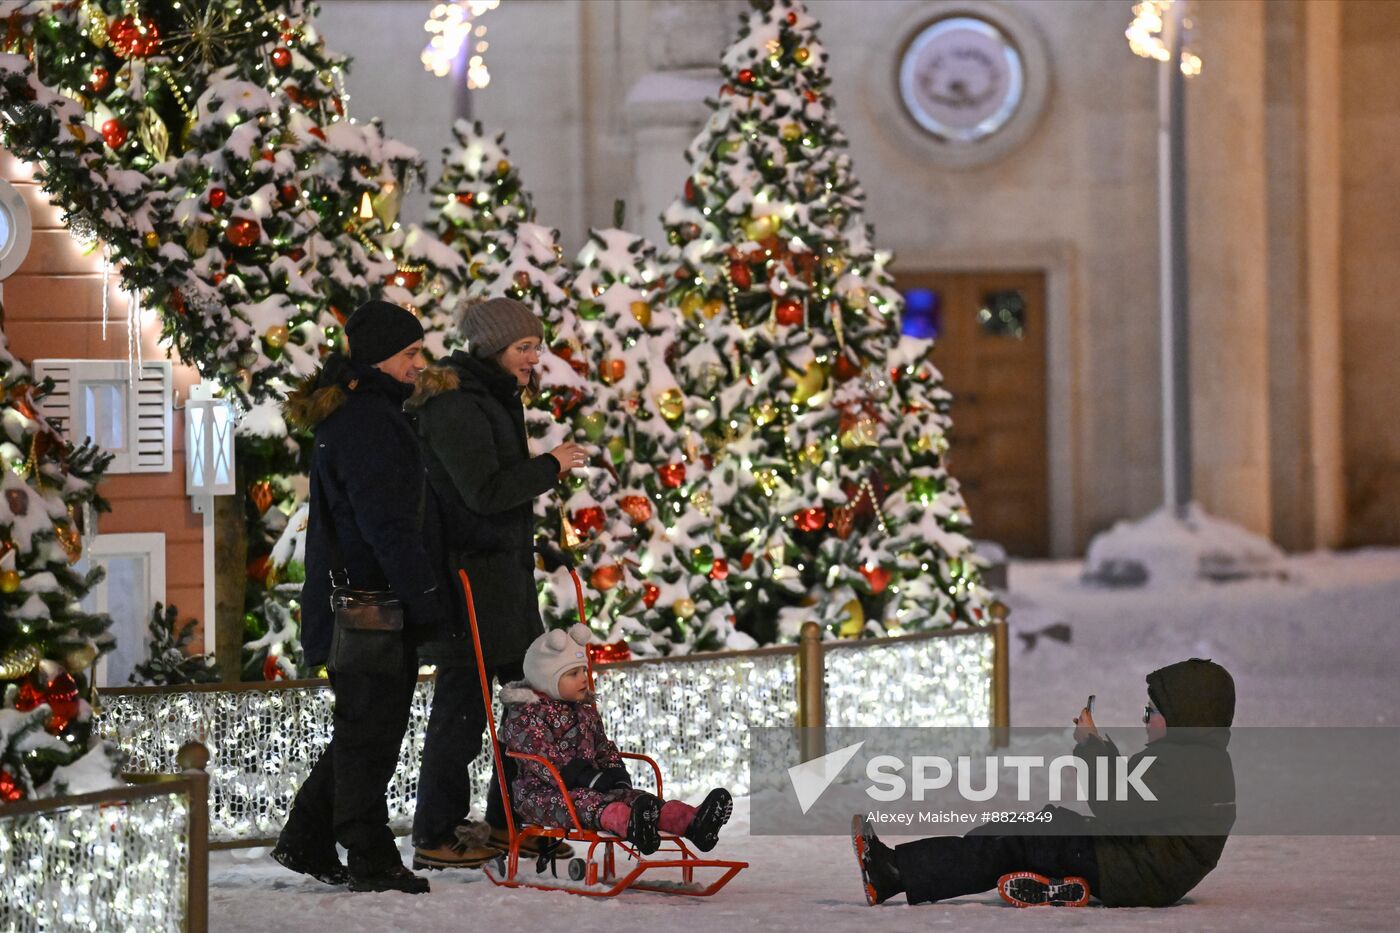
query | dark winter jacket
[472, 425]
[570, 736]
[1151, 853]
[366, 468]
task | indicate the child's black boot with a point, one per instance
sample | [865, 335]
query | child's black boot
[879, 869]
[712, 813]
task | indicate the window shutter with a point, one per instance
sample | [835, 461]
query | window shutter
[145, 407]
[150, 420]
[58, 405]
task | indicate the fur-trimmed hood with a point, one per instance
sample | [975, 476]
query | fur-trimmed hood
[310, 404]
[321, 394]
[432, 382]
[520, 693]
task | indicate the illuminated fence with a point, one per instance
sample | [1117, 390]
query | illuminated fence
[262, 738]
[130, 858]
[693, 714]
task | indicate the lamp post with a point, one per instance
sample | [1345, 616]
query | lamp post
[209, 472]
[1158, 32]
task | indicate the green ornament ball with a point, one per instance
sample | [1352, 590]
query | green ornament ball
[593, 425]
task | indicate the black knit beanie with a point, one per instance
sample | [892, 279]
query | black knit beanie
[492, 325]
[378, 329]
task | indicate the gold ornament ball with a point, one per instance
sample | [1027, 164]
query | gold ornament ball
[80, 658]
[276, 336]
[855, 621]
[474, 270]
[9, 581]
[712, 308]
[20, 661]
[801, 55]
[671, 404]
[923, 444]
[763, 414]
[641, 310]
[760, 228]
[834, 265]
[808, 383]
[691, 304]
[151, 239]
[703, 501]
[856, 299]
[791, 132]
[812, 454]
[683, 608]
[502, 167]
[197, 241]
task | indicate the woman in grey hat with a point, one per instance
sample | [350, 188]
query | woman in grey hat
[472, 424]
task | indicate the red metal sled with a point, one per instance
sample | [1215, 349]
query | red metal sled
[595, 873]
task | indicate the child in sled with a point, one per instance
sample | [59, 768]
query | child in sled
[1130, 853]
[552, 714]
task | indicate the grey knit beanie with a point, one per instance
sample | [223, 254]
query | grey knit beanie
[492, 325]
[553, 653]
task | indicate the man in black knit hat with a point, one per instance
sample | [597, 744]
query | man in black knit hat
[368, 531]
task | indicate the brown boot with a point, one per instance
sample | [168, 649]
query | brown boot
[532, 846]
[453, 854]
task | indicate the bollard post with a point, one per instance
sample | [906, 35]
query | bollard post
[1001, 675]
[811, 693]
[193, 758]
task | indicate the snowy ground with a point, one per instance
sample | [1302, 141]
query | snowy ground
[1315, 649]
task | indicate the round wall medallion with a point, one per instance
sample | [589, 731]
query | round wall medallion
[961, 78]
[965, 85]
[15, 229]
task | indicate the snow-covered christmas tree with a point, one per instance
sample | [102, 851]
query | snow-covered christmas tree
[671, 595]
[825, 426]
[206, 147]
[47, 641]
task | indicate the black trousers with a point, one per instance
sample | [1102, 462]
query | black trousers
[453, 741]
[950, 866]
[343, 799]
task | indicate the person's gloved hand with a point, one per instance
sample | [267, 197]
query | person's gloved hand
[583, 774]
[615, 778]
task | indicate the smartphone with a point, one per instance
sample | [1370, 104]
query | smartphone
[1090, 705]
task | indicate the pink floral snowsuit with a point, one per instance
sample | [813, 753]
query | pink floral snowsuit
[560, 732]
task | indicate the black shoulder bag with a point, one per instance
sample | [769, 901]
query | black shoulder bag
[368, 633]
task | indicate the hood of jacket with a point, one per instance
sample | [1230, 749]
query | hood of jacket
[1194, 694]
[520, 693]
[321, 394]
[463, 371]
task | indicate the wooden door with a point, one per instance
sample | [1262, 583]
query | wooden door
[989, 330]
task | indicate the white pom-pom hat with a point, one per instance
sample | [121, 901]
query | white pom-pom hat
[553, 653]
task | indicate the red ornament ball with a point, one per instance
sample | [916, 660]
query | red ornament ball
[588, 520]
[281, 58]
[609, 653]
[133, 38]
[720, 570]
[408, 279]
[61, 695]
[98, 82]
[297, 254]
[114, 133]
[650, 594]
[845, 368]
[467, 197]
[810, 519]
[690, 192]
[792, 18]
[10, 791]
[243, 232]
[788, 312]
[217, 197]
[672, 475]
[606, 577]
[271, 670]
[288, 194]
[746, 76]
[877, 577]
[638, 508]
[612, 371]
[740, 275]
[746, 560]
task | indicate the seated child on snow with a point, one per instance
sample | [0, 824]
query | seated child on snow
[552, 714]
[1131, 852]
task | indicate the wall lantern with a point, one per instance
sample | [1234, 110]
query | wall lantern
[209, 423]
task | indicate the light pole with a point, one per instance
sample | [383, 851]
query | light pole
[1158, 32]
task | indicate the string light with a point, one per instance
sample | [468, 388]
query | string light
[452, 26]
[1144, 35]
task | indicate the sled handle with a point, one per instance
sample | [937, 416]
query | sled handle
[486, 698]
[558, 779]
